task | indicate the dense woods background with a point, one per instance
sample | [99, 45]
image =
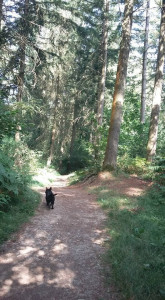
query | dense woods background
[58, 68]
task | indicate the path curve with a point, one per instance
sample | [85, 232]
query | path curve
[57, 255]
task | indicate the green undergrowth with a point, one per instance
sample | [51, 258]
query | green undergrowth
[18, 213]
[20, 173]
[136, 248]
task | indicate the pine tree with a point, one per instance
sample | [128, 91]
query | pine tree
[153, 130]
[118, 98]
[144, 78]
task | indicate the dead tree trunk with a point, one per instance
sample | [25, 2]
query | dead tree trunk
[118, 98]
[153, 130]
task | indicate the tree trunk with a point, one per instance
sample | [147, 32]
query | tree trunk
[143, 93]
[21, 74]
[1, 14]
[153, 130]
[75, 112]
[53, 134]
[101, 87]
[118, 98]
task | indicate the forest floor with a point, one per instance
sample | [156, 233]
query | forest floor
[58, 254]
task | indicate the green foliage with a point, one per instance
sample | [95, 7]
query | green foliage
[136, 249]
[7, 119]
[15, 172]
[10, 181]
[80, 158]
[17, 200]
[158, 170]
[137, 165]
[12, 219]
[153, 171]
[134, 135]
[24, 159]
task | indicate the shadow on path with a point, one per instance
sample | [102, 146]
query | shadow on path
[57, 255]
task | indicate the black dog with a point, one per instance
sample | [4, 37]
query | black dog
[50, 197]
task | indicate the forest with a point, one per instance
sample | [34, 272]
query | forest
[81, 90]
[59, 64]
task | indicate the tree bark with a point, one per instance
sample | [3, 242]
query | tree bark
[153, 130]
[101, 88]
[143, 93]
[75, 113]
[1, 14]
[118, 98]
[53, 133]
[21, 74]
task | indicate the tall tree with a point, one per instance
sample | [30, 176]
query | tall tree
[53, 133]
[1, 14]
[118, 97]
[153, 130]
[75, 114]
[22, 49]
[104, 48]
[144, 78]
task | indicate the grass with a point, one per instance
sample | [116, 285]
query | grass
[18, 214]
[136, 250]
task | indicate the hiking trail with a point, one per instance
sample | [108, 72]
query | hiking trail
[57, 255]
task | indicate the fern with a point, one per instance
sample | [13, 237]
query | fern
[159, 169]
[4, 201]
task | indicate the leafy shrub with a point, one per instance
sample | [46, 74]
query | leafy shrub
[11, 182]
[158, 169]
[15, 172]
[7, 118]
[23, 158]
[130, 165]
[4, 201]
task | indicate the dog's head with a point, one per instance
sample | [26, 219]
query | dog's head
[48, 191]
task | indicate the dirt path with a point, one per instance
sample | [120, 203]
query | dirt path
[58, 254]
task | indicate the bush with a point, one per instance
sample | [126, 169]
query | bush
[137, 165]
[158, 169]
[23, 158]
[15, 172]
